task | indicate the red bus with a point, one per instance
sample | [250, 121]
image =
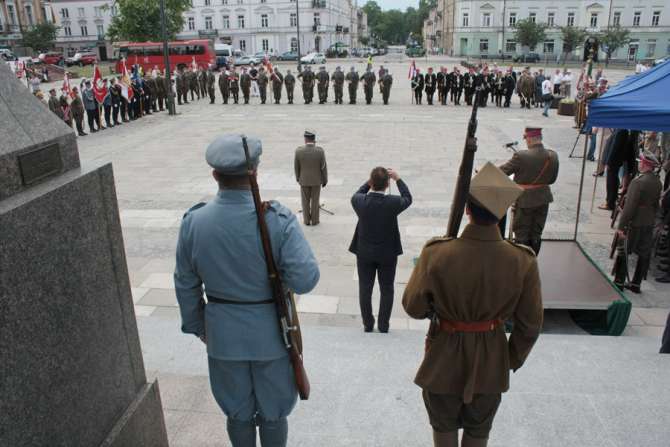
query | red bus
[182, 54]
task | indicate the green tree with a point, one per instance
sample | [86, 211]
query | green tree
[140, 20]
[528, 33]
[40, 37]
[573, 38]
[613, 39]
[394, 26]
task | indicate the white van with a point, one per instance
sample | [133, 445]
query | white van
[224, 53]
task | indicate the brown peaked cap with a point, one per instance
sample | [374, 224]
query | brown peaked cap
[493, 190]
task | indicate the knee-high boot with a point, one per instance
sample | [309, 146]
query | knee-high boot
[241, 433]
[273, 433]
[469, 441]
[445, 439]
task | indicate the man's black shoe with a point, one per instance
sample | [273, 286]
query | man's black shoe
[367, 329]
[635, 288]
[664, 279]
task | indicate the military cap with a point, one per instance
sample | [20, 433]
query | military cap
[309, 134]
[226, 154]
[493, 190]
[649, 157]
[533, 132]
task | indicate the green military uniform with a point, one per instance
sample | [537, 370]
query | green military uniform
[352, 79]
[262, 82]
[534, 170]
[202, 82]
[277, 83]
[182, 87]
[54, 104]
[224, 85]
[323, 79]
[211, 80]
[338, 85]
[637, 221]
[311, 172]
[289, 82]
[472, 284]
[245, 85]
[307, 84]
[369, 80]
[161, 92]
[193, 84]
[387, 81]
[78, 114]
[234, 85]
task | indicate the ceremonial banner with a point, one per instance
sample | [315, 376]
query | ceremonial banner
[412, 70]
[124, 82]
[99, 90]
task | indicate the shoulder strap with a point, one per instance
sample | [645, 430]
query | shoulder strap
[543, 170]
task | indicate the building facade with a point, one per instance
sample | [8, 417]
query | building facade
[270, 25]
[486, 28]
[17, 16]
[83, 26]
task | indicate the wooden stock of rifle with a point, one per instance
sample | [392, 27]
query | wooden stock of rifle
[460, 194]
[284, 301]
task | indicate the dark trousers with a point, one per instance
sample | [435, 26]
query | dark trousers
[528, 225]
[385, 273]
[429, 96]
[79, 121]
[448, 413]
[665, 341]
[417, 96]
[115, 113]
[92, 120]
[108, 116]
[612, 185]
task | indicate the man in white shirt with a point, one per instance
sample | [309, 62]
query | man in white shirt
[556, 79]
[567, 83]
[546, 95]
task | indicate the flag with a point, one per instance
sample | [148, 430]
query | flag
[66, 86]
[194, 65]
[99, 90]
[412, 70]
[268, 67]
[124, 82]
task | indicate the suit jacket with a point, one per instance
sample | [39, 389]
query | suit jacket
[377, 237]
[528, 168]
[310, 165]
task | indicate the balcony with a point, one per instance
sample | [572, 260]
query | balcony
[318, 4]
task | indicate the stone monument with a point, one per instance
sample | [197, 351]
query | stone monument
[71, 368]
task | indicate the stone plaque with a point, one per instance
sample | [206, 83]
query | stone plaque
[40, 163]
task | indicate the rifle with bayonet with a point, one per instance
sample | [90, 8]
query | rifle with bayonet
[284, 300]
[460, 193]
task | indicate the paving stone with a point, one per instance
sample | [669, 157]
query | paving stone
[144, 311]
[138, 293]
[321, 304]
[159, 297]
[652, 317]
[159, 281]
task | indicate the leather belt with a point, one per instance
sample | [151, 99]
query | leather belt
[530, 186]
[213, 299]
[474, 326]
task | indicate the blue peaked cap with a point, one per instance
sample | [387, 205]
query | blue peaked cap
[226, 154]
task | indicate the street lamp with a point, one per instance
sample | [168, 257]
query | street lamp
[166, 61]
[297, 28]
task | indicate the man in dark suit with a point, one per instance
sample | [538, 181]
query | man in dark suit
[376, 242]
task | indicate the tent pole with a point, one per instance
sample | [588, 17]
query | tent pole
[581, 185]
[600, 157]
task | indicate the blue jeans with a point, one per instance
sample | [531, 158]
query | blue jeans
[592, 147]
[547, 105]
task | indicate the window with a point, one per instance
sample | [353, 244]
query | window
[548, 47]
[240, 22]
[101, 31]
[294, 44]
[616, 19]
[81, 12]
[265, 44]
[208, 2]
[532, 17]
[115, 10]
[97, 11]
[510, 46]
[636, 18]
[84, 30]
[264, 20]
[651, 47]
[191, 23]
[655, 18]
[512, 19]
[239, 2]
[64, 13]
[317, 19]
[571, 19]
[226, 22]
[243, 45]
[486, 19]
[594, 20]
[224, 2]
[67, 31]
[483, 45]
[208, 23]
[29, 14]
[264, 1]
[550, 18]
[466, 19]
[293, 19]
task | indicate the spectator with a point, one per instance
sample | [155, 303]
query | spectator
[566, 82]
[556, 79]
[376, 242]
[107, 105]
[547, 96]
[622, 154]
[91, 106]
[35, 84]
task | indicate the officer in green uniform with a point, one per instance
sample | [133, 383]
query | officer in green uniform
[234, 84]
[338, 85]
[369, 80]
[262, 82]
[277, 84]
[289, 82]
[202, 82]
[211, 80]
[193, 84]
[322, 86]
[182, 87]
[636, 223]
[387, 81]
[534, 170]
[307, 84]
[219, 256]
[352, 78]
[245, 85]
[224, 85]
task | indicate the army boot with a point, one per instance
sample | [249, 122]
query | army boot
[241, 433]
[468, 441]
[274, 433]
[445, 439]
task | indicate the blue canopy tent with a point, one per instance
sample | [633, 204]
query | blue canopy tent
[640, 102]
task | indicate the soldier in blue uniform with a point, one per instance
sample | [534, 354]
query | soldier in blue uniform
[219, 254]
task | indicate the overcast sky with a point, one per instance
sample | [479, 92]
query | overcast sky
[393, 4]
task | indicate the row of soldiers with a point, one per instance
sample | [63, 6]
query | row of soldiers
[231, 82]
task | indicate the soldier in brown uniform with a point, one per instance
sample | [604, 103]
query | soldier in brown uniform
[534, 170]
[78, 112]
[468, 357]
[311, 172]
[636, 224]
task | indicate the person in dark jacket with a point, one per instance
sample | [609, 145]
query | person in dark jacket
[376, 242]
[417, 86]
[78, 111]
[623, 153]
[430, 82]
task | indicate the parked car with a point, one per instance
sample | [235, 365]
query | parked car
[84, 58]
[415, 52]
[244, 60]
[53, 58]
[313, 58]
[530, 57]
[261, 55]
[288, 56]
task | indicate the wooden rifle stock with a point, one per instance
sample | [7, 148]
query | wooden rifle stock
[284, 302]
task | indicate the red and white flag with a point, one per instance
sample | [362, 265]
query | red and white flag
[66, 89]
[124, 82]
[412, 70]
[194, 64]
[99, 89]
